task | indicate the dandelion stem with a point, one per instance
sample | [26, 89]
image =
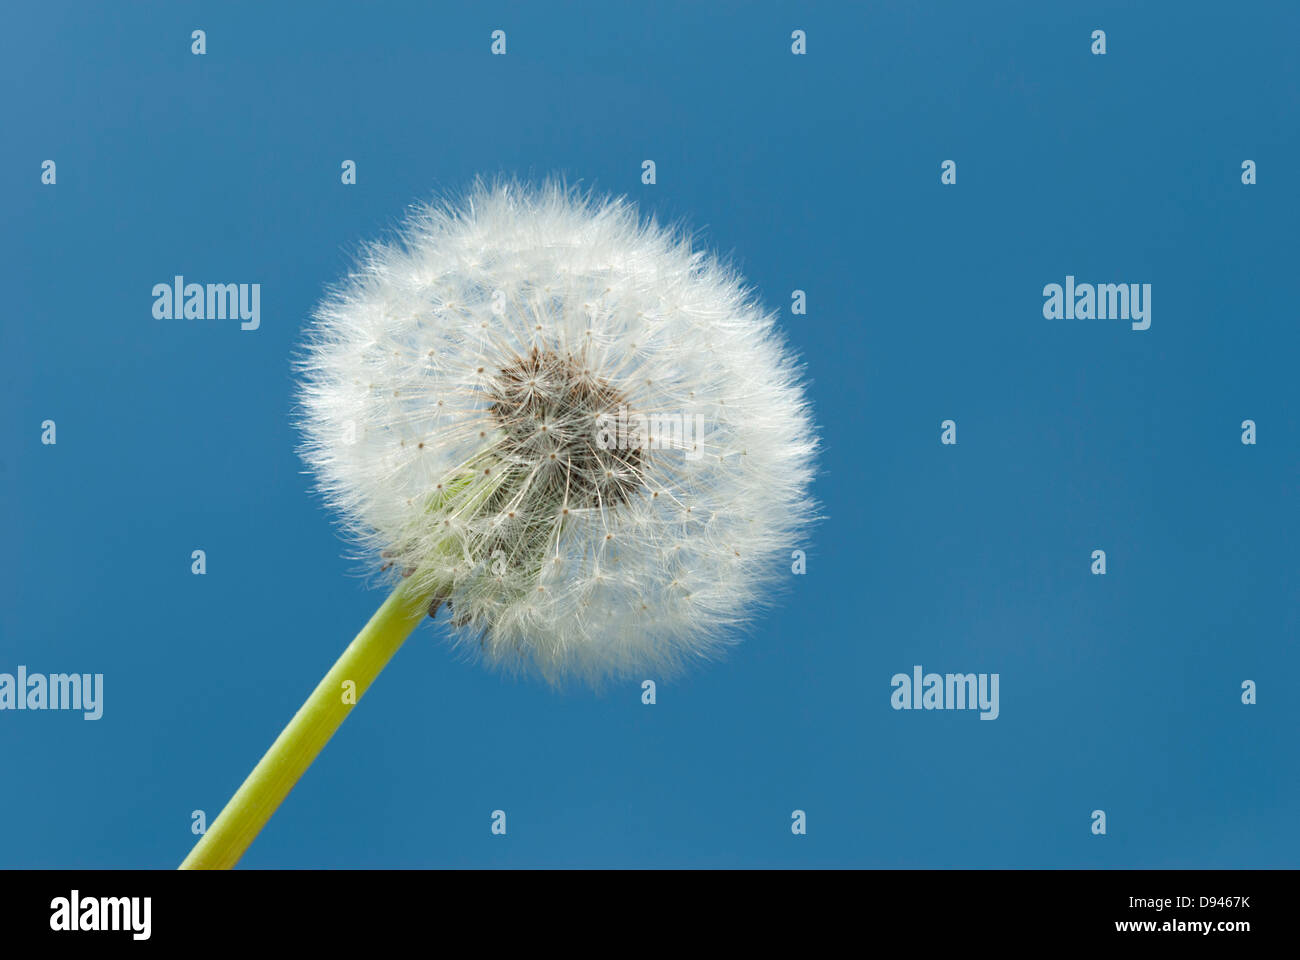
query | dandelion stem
[307, 733]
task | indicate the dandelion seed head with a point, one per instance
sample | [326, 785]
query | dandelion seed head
[454, 390]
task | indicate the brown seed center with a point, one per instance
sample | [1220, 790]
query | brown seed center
[550, 408]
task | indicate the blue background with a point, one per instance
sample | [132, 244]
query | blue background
[819, 173]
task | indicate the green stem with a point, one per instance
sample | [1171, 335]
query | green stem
[310, 729]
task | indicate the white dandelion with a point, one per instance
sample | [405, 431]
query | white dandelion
[463, 395]
[565, 424]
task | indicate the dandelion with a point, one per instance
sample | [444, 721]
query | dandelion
[563, 424]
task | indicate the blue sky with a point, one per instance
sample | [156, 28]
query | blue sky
[821, 172]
